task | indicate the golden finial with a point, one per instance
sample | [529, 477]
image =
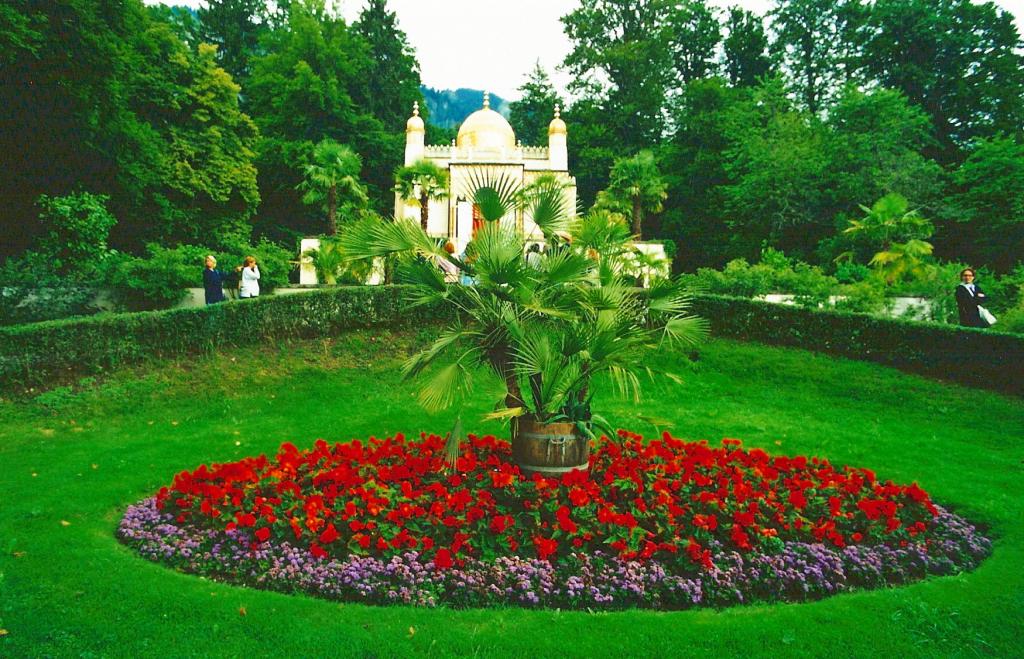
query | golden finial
[487, 99]
[558, 111]
[415, 108]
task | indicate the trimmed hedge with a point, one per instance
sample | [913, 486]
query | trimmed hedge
[41, 352]
[981, 358]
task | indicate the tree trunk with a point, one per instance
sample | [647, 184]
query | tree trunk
[332, 210]
[638, 215]
[500, 361]
[424, 211]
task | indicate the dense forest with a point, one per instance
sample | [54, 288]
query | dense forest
[134, 128]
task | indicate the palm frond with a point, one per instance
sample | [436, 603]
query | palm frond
[546, 203]
[370, 238]
[453, 444]
[449, 384]
[494, 194]
[688, 330]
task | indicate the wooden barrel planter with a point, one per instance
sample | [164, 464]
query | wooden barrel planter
[549, 448]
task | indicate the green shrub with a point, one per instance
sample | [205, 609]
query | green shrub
[44, 352]
[31, 304]
[983, 358]
[160, 280]
[776, 273]
[156, 282]
[863, 296]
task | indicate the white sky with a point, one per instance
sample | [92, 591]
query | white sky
[493, 44]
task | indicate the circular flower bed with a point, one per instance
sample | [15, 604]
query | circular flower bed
[663, 524]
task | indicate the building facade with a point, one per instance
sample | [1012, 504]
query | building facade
[485, 144]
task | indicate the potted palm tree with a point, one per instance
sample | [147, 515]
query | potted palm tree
[546, 328]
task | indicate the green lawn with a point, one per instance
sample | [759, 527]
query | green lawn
[71, 461]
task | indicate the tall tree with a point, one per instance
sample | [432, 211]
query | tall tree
[532, 113]
[960, 61]
[393, 79]
[332, 181]
[620, 55]
[128, 112]
[636, 188]
[694, 164]
[745, 48]
[816, 41]
[695, 35]
[234, 26]
[421, 182]
[302, 90]
[776, 162]
[985, 213]
[875, 146]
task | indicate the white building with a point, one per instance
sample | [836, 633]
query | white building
[485, 142]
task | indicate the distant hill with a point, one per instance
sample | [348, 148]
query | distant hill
[450, 107]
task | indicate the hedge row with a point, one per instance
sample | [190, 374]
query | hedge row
[981, 358]
[42, 352]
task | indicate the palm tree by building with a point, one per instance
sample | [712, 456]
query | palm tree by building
[421, 182]
[635, 188]
[332, 181]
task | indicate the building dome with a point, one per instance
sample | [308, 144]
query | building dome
[557, 126]
[415, 123]
[486, 129]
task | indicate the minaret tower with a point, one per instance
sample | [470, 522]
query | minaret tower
[414, 136]
[558, 150]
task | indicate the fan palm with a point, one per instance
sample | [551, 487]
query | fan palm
[421, 182]
[545, 330]
[635, 187]
[901, 234]
[332, 178]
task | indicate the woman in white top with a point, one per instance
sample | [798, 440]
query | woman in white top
[250, 284]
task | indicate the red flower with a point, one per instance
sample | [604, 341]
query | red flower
[564, 522]
[329, 535]
[545, 547]
[443, 559]
[263, 534]
[317, 550]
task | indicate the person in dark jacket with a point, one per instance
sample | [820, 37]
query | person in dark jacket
[213, 281]
[968, 298]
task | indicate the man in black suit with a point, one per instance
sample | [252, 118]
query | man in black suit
[968, 298]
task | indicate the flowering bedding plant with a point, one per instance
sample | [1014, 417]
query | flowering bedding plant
[662, 523]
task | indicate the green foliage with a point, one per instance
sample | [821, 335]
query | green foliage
[745, 48]
[35, 354]
[970, 356]
[985, 213]
[155, 282]
[900, 232]
[234, 27]
[422, 182]
[332, 266]
[76, 228]
[532, 113]
[635, 189]
[964, 69]
[816, 44]
[159, 280]
[775, 273]
[775, 163]
[332, 181]
[393, 80]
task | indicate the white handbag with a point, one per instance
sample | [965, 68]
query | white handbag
[986, 315]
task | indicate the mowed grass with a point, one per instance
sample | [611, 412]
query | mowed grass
[70, 461]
